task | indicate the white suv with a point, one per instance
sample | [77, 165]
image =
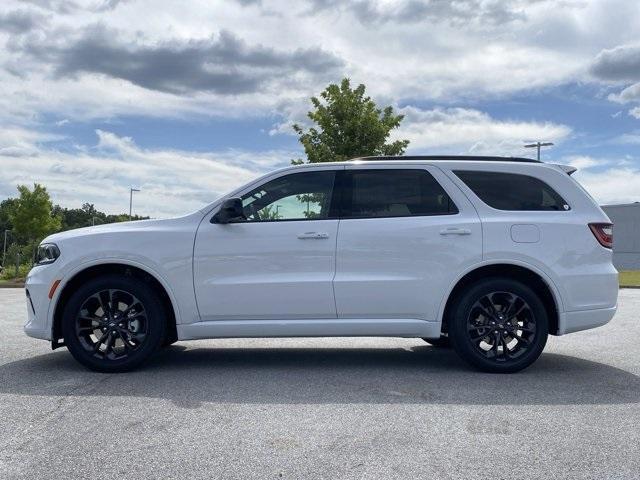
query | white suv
[488, 254]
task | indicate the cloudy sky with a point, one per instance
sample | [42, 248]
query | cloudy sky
[187, 100]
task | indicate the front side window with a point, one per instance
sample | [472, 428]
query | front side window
[393, 193]
[298, 196]
[511, 191]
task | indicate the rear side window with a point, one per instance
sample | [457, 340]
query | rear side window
[393, 193]
[511, 191]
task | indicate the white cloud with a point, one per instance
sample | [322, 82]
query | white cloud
[609, 180]
[455, 130]
[407, 52]
[632, 138]
[460, 130]
[172, 181]
[583, 162]
[619, 64]
[618, 184]
[20, 142]
[417, 49]
[628, 94]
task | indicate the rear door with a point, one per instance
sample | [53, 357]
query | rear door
[405, 234]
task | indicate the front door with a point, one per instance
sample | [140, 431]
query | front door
[277, 264]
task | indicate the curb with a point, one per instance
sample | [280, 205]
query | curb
[637, 287]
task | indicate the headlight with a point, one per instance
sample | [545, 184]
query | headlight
[46, 253]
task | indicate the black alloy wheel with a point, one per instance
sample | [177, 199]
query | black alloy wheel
[499, 325]
[113, 323]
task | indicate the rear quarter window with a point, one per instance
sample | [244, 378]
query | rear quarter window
[512, 191]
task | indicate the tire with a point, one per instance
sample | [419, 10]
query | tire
[499, 325]
[442, 342]
[113, 323]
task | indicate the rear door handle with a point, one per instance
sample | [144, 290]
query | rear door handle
[313, 236]
[455, 231]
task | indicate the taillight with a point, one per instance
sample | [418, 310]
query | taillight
[603, 233]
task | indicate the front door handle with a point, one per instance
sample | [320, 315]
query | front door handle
[455, 231]
[313, 236]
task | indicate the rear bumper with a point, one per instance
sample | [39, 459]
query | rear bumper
[586, 319]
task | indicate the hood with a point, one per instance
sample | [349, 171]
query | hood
[121, 227]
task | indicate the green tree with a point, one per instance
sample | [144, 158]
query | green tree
[6, 206]
[32, 215]
[85, 216]
[123, 217]
[269, 213]
[348, 124]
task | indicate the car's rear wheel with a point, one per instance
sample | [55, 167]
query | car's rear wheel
[113, 323]
[442, 342]
[499, 325]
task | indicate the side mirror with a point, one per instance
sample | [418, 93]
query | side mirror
[231, 210]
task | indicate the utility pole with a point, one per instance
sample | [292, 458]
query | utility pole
[4, 247]
[131, 190]
[537, 146]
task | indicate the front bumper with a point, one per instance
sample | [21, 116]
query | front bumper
[37, 288]
[34, 328]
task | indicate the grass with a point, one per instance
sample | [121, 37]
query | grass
[11, 283]
[630, 278]
[8, 275]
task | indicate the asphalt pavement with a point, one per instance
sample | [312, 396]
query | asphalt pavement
[323, 408]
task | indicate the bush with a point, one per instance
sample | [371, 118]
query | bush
[17, 253]
[9, 272]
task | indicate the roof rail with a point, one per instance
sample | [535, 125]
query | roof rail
[475, 158]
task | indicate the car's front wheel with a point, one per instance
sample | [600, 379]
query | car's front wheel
[499, 325]
[113, 323]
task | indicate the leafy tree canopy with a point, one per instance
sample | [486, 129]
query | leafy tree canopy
[87, 216]
[31, 215]
[348, 124]
[6, 206]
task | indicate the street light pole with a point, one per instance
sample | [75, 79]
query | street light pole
[131, 190]
[537, 146]
[4, 247]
